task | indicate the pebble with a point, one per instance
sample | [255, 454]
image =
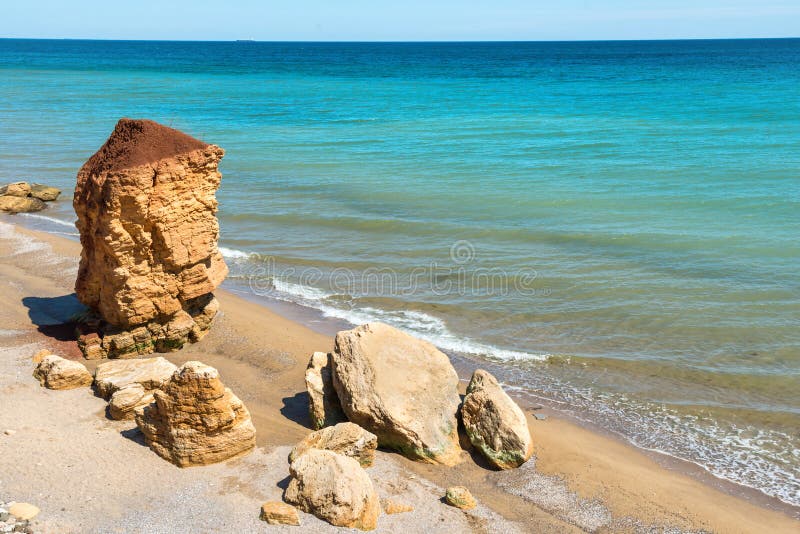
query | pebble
[10, 432]
[540, 416]
[11, 523]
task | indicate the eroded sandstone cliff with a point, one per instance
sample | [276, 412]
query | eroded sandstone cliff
[146, 209]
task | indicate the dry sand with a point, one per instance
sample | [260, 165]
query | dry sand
[90, 474]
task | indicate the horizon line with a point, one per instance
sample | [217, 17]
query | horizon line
[400, 41]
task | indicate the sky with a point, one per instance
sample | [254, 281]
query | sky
[404, 20]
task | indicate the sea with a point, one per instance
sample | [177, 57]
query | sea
[612, 228]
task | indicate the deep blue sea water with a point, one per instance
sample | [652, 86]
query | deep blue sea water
[613, 225]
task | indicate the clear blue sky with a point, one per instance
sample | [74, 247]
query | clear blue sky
[338, 20]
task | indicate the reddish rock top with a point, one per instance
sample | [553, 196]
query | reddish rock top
[136, 142]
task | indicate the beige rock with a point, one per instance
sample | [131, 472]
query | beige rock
[39, 356]
[44, 192]
[23, 511]
[55, 372]
[323, 403]
[150, 373]
[334, 488]
[146, 210]
[279, 513]
[12, 204]
[125, 400]
[400, 388]
[195, 419]
[391, 507]
[460, 497]
[17, 189]
[348, 439]
[496, 426]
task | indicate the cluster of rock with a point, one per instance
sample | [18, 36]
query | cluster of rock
[129, 384]
[146, 210]
[328, 478]
[22, 197]
[186, 414]
[17, 517]
[405, 391]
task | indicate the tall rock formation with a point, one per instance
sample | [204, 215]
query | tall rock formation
[146, 211]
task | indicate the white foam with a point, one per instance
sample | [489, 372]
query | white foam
[307, 293]
[419, 324]
[21, 244]
[53, 220]
[233, 254]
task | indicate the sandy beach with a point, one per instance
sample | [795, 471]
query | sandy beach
[87, 473]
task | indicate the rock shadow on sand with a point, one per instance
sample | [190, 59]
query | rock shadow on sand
[55, 316]
[295, 408]
[135, 435]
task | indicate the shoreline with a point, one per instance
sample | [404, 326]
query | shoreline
[639, 486]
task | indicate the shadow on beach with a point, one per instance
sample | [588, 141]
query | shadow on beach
[55, 316]
[295, 408]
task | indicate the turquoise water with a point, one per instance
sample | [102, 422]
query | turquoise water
[612, 226]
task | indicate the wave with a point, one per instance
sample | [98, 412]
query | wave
[234, 254]
[422, 325]
[58, 222]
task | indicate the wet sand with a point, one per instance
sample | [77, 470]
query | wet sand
[580, 480]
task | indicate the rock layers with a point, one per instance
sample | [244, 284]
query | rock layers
[129, 384]
[402, 389]
[496, 426]
[150, 373]
[335, 488]
[146, 211]
[195, 419]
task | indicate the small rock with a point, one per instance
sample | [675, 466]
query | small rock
[348, 439]
[55, 372]
[460, 497]
[540, 416]
[391, 507]
[333, 488]
[279, 513]
[323, 403]
[44, 192]
[17, 189]
[23, 510]
[496, 426]
[13, 204]
[124, 401]
[9, 432]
